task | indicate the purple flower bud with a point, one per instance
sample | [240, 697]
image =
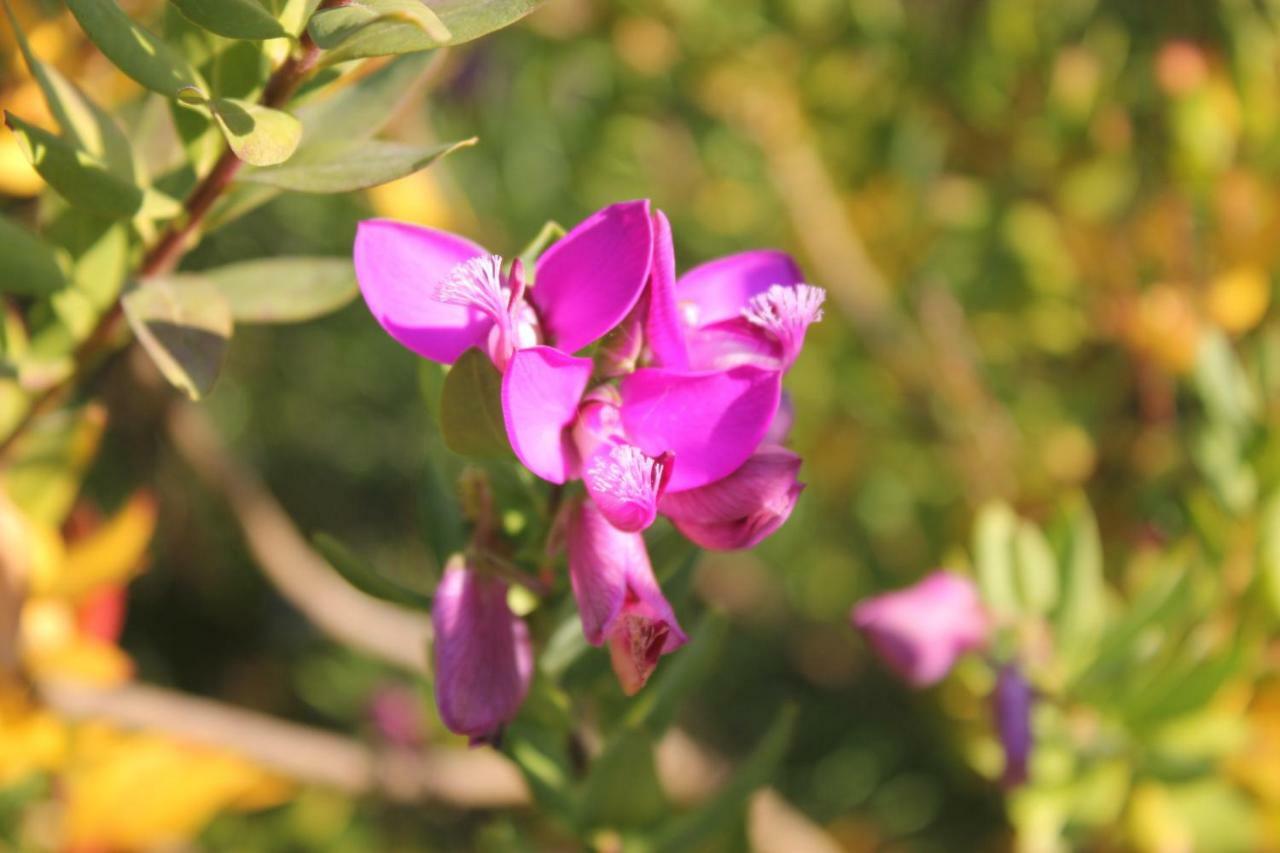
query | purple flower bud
[1013, 700]
[618, 596]
[920, 631]
[483, 659]
[740, 510]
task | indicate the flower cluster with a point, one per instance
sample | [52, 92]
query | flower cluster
[678, 410]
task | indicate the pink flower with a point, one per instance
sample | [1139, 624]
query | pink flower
[396, 713]
[618, 597]
[483, 659]
[920, 631]
[740, 510]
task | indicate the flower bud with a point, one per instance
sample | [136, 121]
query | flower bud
[1013, 700]
[920, 631]
[618, 596]
[483, 658]
[740, 510]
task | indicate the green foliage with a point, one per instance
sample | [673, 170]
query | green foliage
[27, 264]
[471, 419]
[338, 167]
[79, 176]
[365, 577]
[135, 51]
[237, 19]
[283, 290]
[377, 28]
[259, 136]
[184, 327]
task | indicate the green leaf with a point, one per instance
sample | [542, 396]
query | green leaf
[471, 408]
[1080, 617]
[50, 460]
[184, 327]
[471, 19]
[76, 175]
[260, 136]
[133, 49]
[376, 28]
[27, 265]
[538, 742]
[1222, 383]
[993, 554]
[237, 19]
[366, 578]
[284, 290]
[339, 167]
[551, 232]
[360, 110]
[622, 788]
[728, 806]
[84, 124]
[1036, 569]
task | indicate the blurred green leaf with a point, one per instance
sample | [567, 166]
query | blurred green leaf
[49, 462]
[471, 417]
[471, 19]
[284, 290]
[237, 19]
[1083, 612]
[993, 555]
[728, 806]
[84, 124]
[365, 577]
[1222, 383]
[360, 110]
[538, 742]
[184, 327]
[28, 266]
[260, 136]
[549, 233]
[622, 788]
[339, 167]
[1036, 569]
[134, 50]
[76, 175]
[376, 28]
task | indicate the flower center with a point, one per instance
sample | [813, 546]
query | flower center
[785, 312]
[627, 474]
[476, 282]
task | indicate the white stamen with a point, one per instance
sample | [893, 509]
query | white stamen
[626, 473]
[785, 311]
[476, 282]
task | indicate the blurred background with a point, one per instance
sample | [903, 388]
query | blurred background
[1028, 215]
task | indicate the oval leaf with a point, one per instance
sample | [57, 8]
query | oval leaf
[27, 265]
[237, 19]
[362, 109]
[342, 167]
[285, 290]
[377, 28]
[260, 136]
[471, 408]
[133, 49]
[184, 328]
[76, 175]
[471, 19]
[366, 578]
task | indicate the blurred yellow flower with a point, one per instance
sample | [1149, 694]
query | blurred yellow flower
[1238, 298]
[413, 198]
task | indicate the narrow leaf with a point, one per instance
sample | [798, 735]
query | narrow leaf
[260, 136]
[340, 167]
[284, 290]
[1037, 569]
[377, 28]
[184, 328]
[993, 555]
[471, 19]
[237, 19]
[363, 108]
[76, 175]
[1080, 618]
[134, 50]
[84, 124]
[366, 578]
[27, 265]
[622, 788]
[471, 408]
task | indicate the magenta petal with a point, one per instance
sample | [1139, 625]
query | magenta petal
[663, 329]
[740, 510]
[398, 266]
[618, 597]
[483, 659]
[720, 289]
[711, 421]
[591, 278]
[920, 631]
[626, 484]
[732, 343]
[540, 394]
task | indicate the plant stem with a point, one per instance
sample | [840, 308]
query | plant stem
[97, 350]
